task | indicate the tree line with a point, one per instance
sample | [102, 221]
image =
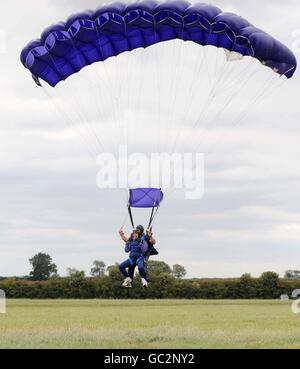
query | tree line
[166, 283]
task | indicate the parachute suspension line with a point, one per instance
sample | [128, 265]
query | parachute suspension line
[78, 102]
[173, 90]
[115, 102]
[186, 136]
[227, 72]
[180, 66]
[53, 100]
[229, 81]
[140, 88]
[193, 95]
[97, 97]
[208, 124]
[124, 87]
[124, 78]
[170, 92]
[134, 85]
[126, 98]
[124, 223]
[213, 88]
[210, 98]
[207, 67]
[268, 90]
[124, 220]
[78, 107]
[214, 120]
[216, 67]
[189, 100]
[152, 217]
[116, 122]
[72, 96]
[258, 98]
[128, 101]
[64, 82]
[123, 122]
[68, 122]
[126, 125]
[133, 121]
[83, 79]
[154, 71]
[159, 127]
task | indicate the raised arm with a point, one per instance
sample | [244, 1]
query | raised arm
[152, 240]
[122, 235]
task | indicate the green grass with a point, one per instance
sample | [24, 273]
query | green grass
[149, 324]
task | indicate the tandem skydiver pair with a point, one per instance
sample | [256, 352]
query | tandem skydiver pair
[140, 246]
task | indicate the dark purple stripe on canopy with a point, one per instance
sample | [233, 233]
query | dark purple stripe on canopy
[145, 198]
[93, 36]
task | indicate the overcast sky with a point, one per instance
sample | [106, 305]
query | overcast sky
[248, 221]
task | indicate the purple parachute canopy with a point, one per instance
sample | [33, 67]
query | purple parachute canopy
[94, 36]
[145, 198]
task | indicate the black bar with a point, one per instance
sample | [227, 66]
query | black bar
[151, 218]
[130, 216]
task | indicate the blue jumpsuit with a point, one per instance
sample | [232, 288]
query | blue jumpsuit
[137, 250]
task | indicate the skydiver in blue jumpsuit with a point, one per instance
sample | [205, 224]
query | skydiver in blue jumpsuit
[137, 248]
[148, 237]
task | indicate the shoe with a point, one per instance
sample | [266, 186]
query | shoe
[128, 286]
[145, 283]
[127, 283]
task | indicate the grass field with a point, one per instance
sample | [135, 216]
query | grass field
[149, 324]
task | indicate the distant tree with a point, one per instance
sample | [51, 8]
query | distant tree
[77, 283]
[98, 269]
[54, 276]
[42, 267]
[113, 270]
[178, 271]
[158, 267]
[246, 280]
[74, 273]
[247, 287]
[292, 274]
[76, 277]
[162, 286]
[115, 280]
[269, 284]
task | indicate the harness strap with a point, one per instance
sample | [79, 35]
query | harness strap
[151, 218]
[153, 215]
[131, 216]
